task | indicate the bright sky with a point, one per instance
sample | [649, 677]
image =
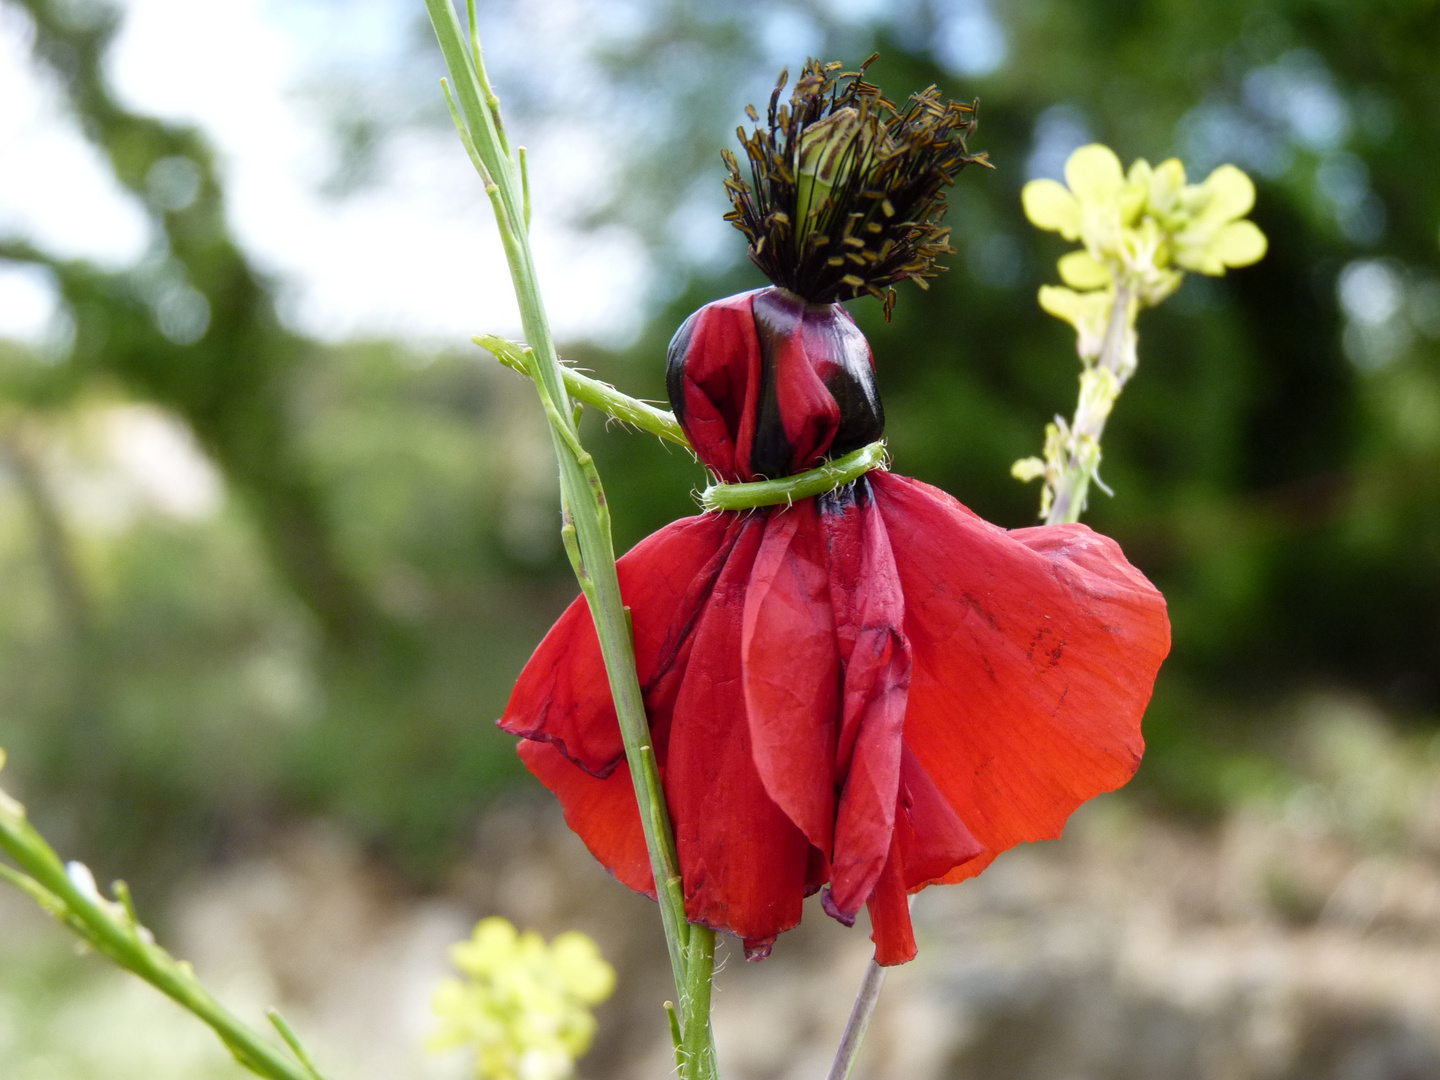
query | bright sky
[414, 255]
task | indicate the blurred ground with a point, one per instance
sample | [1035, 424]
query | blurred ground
[1296, 939]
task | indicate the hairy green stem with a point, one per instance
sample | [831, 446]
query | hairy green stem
[598, 395]
[786, 489]
[675, 1037]
[697, 1048]
[586, 517]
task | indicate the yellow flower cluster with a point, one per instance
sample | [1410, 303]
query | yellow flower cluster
[523, 1005]
[1140, 230]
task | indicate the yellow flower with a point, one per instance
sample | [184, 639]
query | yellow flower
[1138, 226]
[524, 1006]
[1098, 204]
[1215, 237]
[1140, 230]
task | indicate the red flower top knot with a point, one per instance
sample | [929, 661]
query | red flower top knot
[767, 385]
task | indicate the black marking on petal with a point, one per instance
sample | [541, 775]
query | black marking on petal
[876, 220]
[675, 366]
[770, 448]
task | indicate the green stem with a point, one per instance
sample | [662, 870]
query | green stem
[114, 932]
[582, 497]
[598, 395]
[787, 489]
[1099, 387]
[675, 1037]
[697, 1047]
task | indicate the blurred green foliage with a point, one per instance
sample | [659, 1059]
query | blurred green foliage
[338, 636]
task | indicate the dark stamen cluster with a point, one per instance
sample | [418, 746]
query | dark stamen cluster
[873, 216]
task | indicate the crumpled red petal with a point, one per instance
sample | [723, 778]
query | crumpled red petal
[563, 696]
[791, 670]
[602, 812]
[879, 692]
[1035, 652]
[796, 414]
[929, 841]
[869, 612]
[742, 859]
[715, 394]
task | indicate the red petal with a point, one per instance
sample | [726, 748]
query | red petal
[716, 391]
[869, 611]
[792, 670]
[601, 812]
[1034, 656]
[795, 409]
[889, 905]
[742, 859]
[929, 840]
[563, 695]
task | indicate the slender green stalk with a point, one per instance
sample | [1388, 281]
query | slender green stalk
[111, 927]
[787, 489]
[598, 395]
[1100, 385]
[525, 183]
[280, 1024]
[585, 514]
[855, 1027]
[675, 1037]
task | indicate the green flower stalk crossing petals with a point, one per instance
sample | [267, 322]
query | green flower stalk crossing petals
[585, 528]
[805, 485]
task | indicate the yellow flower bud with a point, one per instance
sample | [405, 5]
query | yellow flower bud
[1027, 469]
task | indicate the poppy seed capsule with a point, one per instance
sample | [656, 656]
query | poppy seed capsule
[768, 385]
[846, 193]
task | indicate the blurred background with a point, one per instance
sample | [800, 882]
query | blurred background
[275, 539]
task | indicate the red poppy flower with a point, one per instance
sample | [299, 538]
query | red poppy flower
[871, 691]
